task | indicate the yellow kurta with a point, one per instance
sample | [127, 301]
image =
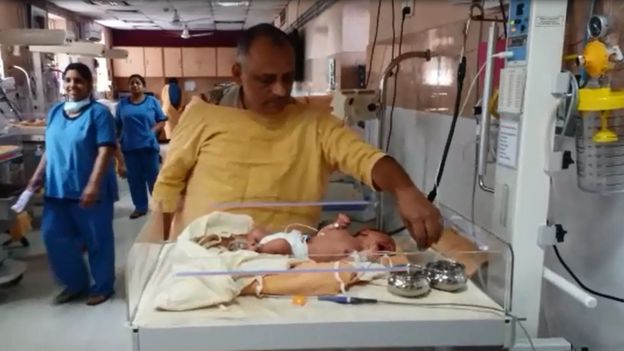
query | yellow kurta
[223, 155]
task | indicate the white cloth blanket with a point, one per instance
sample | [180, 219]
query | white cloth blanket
[214, 286]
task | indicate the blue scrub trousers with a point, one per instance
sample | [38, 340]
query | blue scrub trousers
[142, 166]
[66, 227]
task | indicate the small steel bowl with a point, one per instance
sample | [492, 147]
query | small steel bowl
[413, 282]
[447, 275]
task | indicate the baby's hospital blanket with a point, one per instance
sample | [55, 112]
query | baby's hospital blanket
[216, 287]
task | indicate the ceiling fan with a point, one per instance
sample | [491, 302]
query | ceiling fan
[185, 34]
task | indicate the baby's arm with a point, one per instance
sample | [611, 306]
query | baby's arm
[276, 247]
[342, 222]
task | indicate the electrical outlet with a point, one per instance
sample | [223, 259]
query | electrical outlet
[410, 4]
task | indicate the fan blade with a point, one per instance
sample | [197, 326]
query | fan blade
[201, 35]
[198, 19]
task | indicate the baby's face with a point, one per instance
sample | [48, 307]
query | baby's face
[336, 243]
[254, 237]
[375, 241]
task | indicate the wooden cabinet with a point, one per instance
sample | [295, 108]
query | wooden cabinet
[199, 62]
[156, 62]
[226, 57]
[153, 62]
[173, 62]
[133, 64]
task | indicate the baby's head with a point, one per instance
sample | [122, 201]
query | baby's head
[332, 244]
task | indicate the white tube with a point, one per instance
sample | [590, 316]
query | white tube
[579, 294]
[484, 135]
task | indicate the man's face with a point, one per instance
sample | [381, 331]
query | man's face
[266, 75]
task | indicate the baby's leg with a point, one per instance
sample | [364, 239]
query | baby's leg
[276, 247]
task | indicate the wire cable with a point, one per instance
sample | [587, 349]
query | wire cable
[526, 333]
[370, 63]
[580, 283]
[475, 79]
[404, 14]
[461, 74]
[502, 8]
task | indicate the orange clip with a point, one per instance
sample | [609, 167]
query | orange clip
[299, 300]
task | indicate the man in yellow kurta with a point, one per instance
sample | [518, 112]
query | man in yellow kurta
[256, 145]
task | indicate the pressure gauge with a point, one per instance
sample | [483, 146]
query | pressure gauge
[597, 27]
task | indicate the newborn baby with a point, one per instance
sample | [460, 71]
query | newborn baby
[331, 243]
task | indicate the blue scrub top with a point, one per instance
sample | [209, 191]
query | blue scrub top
[135, 122]
[72, 148]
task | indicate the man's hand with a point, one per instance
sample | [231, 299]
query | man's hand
[89, 195]
[421, 218]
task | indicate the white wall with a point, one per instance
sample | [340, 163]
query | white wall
[355, 23]
[417, 143]
[594, 247]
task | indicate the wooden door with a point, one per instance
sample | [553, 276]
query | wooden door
[199, 62]
[133, 64]
[225, 59]
[153, 62]
[173, 62]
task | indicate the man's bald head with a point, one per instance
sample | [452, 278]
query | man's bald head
[265, 68]
[266, 31]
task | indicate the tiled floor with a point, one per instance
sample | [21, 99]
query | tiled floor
[29, 322]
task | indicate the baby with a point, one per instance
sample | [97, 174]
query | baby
[331, 243]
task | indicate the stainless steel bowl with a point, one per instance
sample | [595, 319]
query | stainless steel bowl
[447, 275]
[413, 282]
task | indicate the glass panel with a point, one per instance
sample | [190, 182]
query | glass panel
[226, 265]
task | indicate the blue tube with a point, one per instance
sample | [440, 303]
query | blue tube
[346, 300]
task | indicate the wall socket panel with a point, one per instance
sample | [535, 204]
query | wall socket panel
[410, 4]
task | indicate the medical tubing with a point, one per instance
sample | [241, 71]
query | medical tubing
[461, 74]
[404, 13]
[580, 283]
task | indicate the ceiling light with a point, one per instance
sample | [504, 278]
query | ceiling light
[32, 37]
[233, 3]
[74, 48]
[138, 21]
[107, 2]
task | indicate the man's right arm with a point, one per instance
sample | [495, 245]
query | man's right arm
[186, 142]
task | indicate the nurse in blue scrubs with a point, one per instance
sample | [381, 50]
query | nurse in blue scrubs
[139, 119]
[80, 183]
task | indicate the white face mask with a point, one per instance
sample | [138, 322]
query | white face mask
[76, 106]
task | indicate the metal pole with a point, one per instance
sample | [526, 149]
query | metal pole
[381, 115]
